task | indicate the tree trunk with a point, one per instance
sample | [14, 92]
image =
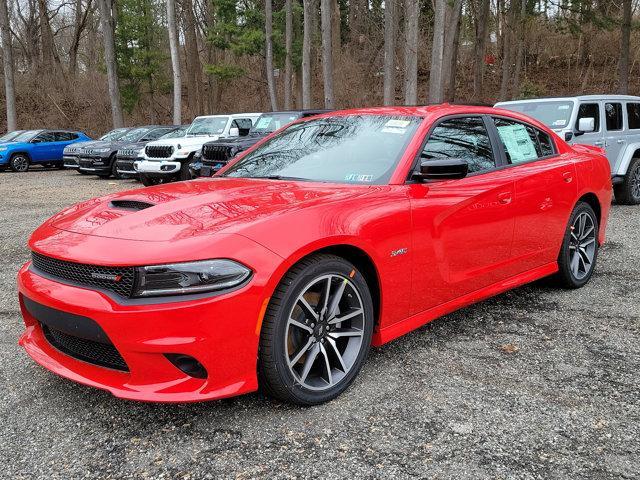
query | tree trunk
[625, 40]
[507, 51]
[80, 23]
[108, 27]
[519, 60]
[450, 55]
[174, 48]
[7, 60]
[480, 49]
[436, 91]
[268, 30]
[288, 41]
[193, 63]
[389, 88]
[306, 52]
[50, 59]
[326, 9]
[412, 21]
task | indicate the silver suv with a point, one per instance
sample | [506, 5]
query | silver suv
[608, 121]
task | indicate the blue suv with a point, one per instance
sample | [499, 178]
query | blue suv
[43, 147]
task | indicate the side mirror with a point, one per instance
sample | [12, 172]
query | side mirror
[445, 169]
[586, 125]
[234, 132]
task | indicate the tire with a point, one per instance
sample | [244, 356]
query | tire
[114, 169]
[315, 343]
[628, 192]
[576, 266]
[3, 168]
[185, 172]
[82, 172]
[19, 162]
[148, 181]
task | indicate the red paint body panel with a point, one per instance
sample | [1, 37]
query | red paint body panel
[465, 240]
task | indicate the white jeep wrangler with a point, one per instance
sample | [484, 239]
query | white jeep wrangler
[169, 159]
[608, 121]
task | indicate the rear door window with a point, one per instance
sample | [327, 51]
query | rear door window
[45, 137]
[633, 115]
[589, 110]
[613, 114]
[522, 142]
[464, 138]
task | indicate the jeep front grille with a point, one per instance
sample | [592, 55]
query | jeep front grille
[160, 151]
[216, 153]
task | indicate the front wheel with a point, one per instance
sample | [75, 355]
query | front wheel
[185, 171]
[579, 250]
[149, 181]
[628, 192]
[316, 333]
[19, 163]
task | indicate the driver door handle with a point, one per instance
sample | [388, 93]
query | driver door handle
[568, 177]
[599, 143]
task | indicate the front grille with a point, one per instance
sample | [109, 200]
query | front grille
[85, 163]
[97, 353]
[125, 165]
[130, 204]
[70, 161]
[216, 153]
[158, 151]
[119, 280]
[128, 153]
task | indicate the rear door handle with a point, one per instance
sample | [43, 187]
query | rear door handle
[620, 140]
[568, 177]
[505, 198]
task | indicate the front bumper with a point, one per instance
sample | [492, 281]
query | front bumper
[221, 332]
[70, 161]
[94, 165]
[125, 167]
[157, 167]
[209, 168]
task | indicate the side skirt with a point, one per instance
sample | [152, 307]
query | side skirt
[398, 329]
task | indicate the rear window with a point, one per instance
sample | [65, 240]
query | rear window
[633, 114]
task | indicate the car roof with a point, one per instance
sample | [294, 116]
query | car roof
[571, 99]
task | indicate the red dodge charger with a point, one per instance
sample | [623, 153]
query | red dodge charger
[334, 234]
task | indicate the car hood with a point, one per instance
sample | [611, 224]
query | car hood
[202, 207]
[184, 141]
[14, 145]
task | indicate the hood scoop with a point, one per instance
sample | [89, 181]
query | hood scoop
[130, 204]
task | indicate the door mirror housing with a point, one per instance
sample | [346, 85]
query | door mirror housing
[444, 169]
[586, 125]
[234, 132]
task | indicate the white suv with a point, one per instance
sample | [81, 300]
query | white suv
[169, 159]
[608, 121]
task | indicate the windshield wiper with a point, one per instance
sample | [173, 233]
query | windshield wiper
[279, 177]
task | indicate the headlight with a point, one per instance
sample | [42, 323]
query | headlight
[141, 153]
[190, 277]
[2, 149]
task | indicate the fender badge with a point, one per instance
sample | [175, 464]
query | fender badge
[400, 251]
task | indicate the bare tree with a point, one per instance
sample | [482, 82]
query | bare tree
[192, 56]
[625, 40]
[79, 25]
[174, 47]
[268, 30]
[412, 20]
[7, 60]
[480, 48]
[327, 52]
[436, 90]
[306, 52]
[389, 53]
[50, 59]
[507, 49]
[288, 41]
[519, 49]
[450, 56]
[107, 25]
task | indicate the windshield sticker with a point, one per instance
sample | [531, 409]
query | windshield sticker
[564, 107]
[355, 177]
[559, 123]
[518, 142]
[397, 130]
[263, 123]
[397, 123]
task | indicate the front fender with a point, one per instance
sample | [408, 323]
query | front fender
[625, 159]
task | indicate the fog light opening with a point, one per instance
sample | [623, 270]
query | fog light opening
[165, 168]
[187, 364]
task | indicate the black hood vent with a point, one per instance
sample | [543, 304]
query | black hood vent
[130, 204]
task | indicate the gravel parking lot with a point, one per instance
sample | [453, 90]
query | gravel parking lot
[536, 383]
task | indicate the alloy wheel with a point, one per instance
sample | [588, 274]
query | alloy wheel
[20, 163]
[325, 332]
[582, 246]
[635, 183]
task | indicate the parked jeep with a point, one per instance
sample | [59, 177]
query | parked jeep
[71, 153]
[168, 160]
[608, 121]
[129, 154]
[99, 158]
[214, 155]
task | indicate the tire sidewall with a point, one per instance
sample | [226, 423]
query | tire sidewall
[293, 289]
[19, 155]
[633, 168]
[565, 255]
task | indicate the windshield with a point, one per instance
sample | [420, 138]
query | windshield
[207, 126]
[350, 149]
[133, 135]
[554, 114]
[272, 122]
[26, 135]
[114, 134]
[7, 137]
[179, 132]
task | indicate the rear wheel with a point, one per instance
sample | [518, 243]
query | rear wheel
[628, 192]
[316, 333]
[579, 251]
[19, 162]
